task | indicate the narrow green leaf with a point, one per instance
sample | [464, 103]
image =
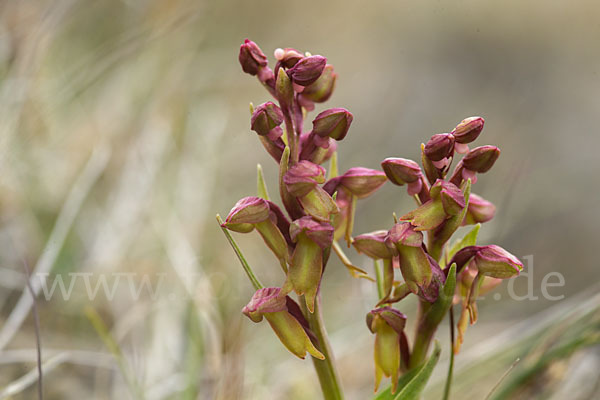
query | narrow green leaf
[261, 185]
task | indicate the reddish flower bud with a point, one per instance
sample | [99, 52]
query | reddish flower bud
[266, 119]
[446, 201]
[373, 245]
[252, 58]
[362, 182]
[271, 304]
[453, 200]
[479, 210]
[319, 232]
[468, 130]
[307, 70]
[322, 88]
[440, 146]
[490, 260]
[401, 171]
[288, 57]
[481, 159]
[247, 212]
[303, 177]
[333, 123]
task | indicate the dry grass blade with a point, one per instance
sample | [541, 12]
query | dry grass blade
[489, 395]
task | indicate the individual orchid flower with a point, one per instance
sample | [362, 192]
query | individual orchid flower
[254, 62]
[255, 213]
[289, 325]
[266, 120]
[446, 201]
[401, 171]
[307, 70]
[479, 210]
[357, 183]
[320, 90]
[439, 149]
[488, 261]
[391, 344]
[302, 181]
[328, 127]
[415, 266]
[373, 245]
[478, 160]
[466, 132]
[312, 239]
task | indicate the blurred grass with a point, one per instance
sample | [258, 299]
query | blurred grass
[158, 84]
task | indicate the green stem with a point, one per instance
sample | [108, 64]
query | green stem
[325, 369]
[448, 384]
[255, 282]
[423, 336]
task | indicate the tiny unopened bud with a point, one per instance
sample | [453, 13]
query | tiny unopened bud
[439, 147]
[333, 123]
[479, 210]
[362, 182]
[322, 88]
[266, 119]
[307, 70]
[246, 213]
[481, 159]
[468, 130]
[373, 245]
[251, 58]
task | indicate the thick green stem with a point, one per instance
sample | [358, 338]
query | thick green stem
[423, 336]
[326, 369]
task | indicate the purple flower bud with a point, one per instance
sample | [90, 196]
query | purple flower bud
[307, 70]
[333, 123]
[373, 245]
[362, 182]
[401, 171]
[439, 147]
[288, 57]
[247, 212]
[321, 90]
[404, 234]
[252, 58]
[479, 210]
[317, 231]
[272, 304]
[481, 159]
[266, 119]
[388, 326]
[468, 130]
[453, 200]
[303, 177]
[490, 260]
[265, 300]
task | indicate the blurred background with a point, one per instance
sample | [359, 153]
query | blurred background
[124, 129]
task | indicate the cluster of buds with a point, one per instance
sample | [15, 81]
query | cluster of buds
[318, 210]
[443, 205]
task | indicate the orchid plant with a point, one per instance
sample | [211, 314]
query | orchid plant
[413, 257]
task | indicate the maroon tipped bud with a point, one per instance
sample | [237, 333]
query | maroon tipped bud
[392, 317]
[322, 88]
[307, 70]
[288, 57]
[362, 182]
[252, 58]
[319, 232]
[453, 200]
[490, 260]
[303, 177]
[479, 210]
[333, 123]
[440, 146]
[481, 159]
[247, 212]
[401, 171]
[373, 245]
[265, 300]
[405, 234]
[468, 130]
[266, 119]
